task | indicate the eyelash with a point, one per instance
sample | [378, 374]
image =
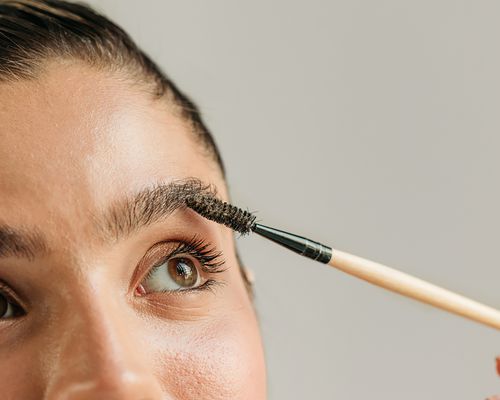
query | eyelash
[210, 259]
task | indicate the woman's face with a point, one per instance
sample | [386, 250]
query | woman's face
[115, 303]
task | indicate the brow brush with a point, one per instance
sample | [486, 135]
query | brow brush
[243, 222]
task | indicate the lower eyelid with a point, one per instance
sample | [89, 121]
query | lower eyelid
[212, 284]
[209, 284]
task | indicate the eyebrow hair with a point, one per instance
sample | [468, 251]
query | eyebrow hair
[149, 205]
[21, 243]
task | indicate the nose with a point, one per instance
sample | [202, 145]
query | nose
[98, 355]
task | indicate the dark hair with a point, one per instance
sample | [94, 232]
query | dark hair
[33, 32]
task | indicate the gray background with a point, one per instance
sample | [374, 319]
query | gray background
[370, 125]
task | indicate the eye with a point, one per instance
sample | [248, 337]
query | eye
[8, 308]
[174, 274]
[185, 267]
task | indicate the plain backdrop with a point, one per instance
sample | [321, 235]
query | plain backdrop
[372, 126]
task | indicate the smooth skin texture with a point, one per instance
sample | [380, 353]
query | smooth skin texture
[73, 141]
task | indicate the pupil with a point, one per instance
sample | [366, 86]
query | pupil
[182, 269]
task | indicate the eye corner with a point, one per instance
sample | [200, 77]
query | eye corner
[210, 285]
[10, 307]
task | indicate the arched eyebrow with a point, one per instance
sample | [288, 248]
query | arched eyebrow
[21, 242]
[150, 205]
[120, 219]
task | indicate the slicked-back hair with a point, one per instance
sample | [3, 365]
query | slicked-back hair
[33, 32]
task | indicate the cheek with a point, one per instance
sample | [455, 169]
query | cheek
[222, 360]
[17, 380]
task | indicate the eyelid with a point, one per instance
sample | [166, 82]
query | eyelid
[211, 260]
[10, 295]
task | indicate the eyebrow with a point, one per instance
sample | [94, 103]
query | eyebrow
[120, 219]
[21, 243]
[149, 205]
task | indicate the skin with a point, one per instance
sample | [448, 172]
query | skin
[73, 141]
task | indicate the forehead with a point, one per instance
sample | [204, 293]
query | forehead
[76, 138]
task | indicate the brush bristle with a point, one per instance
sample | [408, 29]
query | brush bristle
[221, 212]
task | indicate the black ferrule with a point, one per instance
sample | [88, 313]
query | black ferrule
[306, 247]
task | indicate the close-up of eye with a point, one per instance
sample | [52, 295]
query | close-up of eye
[176, 273]
[8, 308]
[183, 268]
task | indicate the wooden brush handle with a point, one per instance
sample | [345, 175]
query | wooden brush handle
[415, 288]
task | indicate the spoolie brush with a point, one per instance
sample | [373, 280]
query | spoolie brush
[223, 213]
[243, 222]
